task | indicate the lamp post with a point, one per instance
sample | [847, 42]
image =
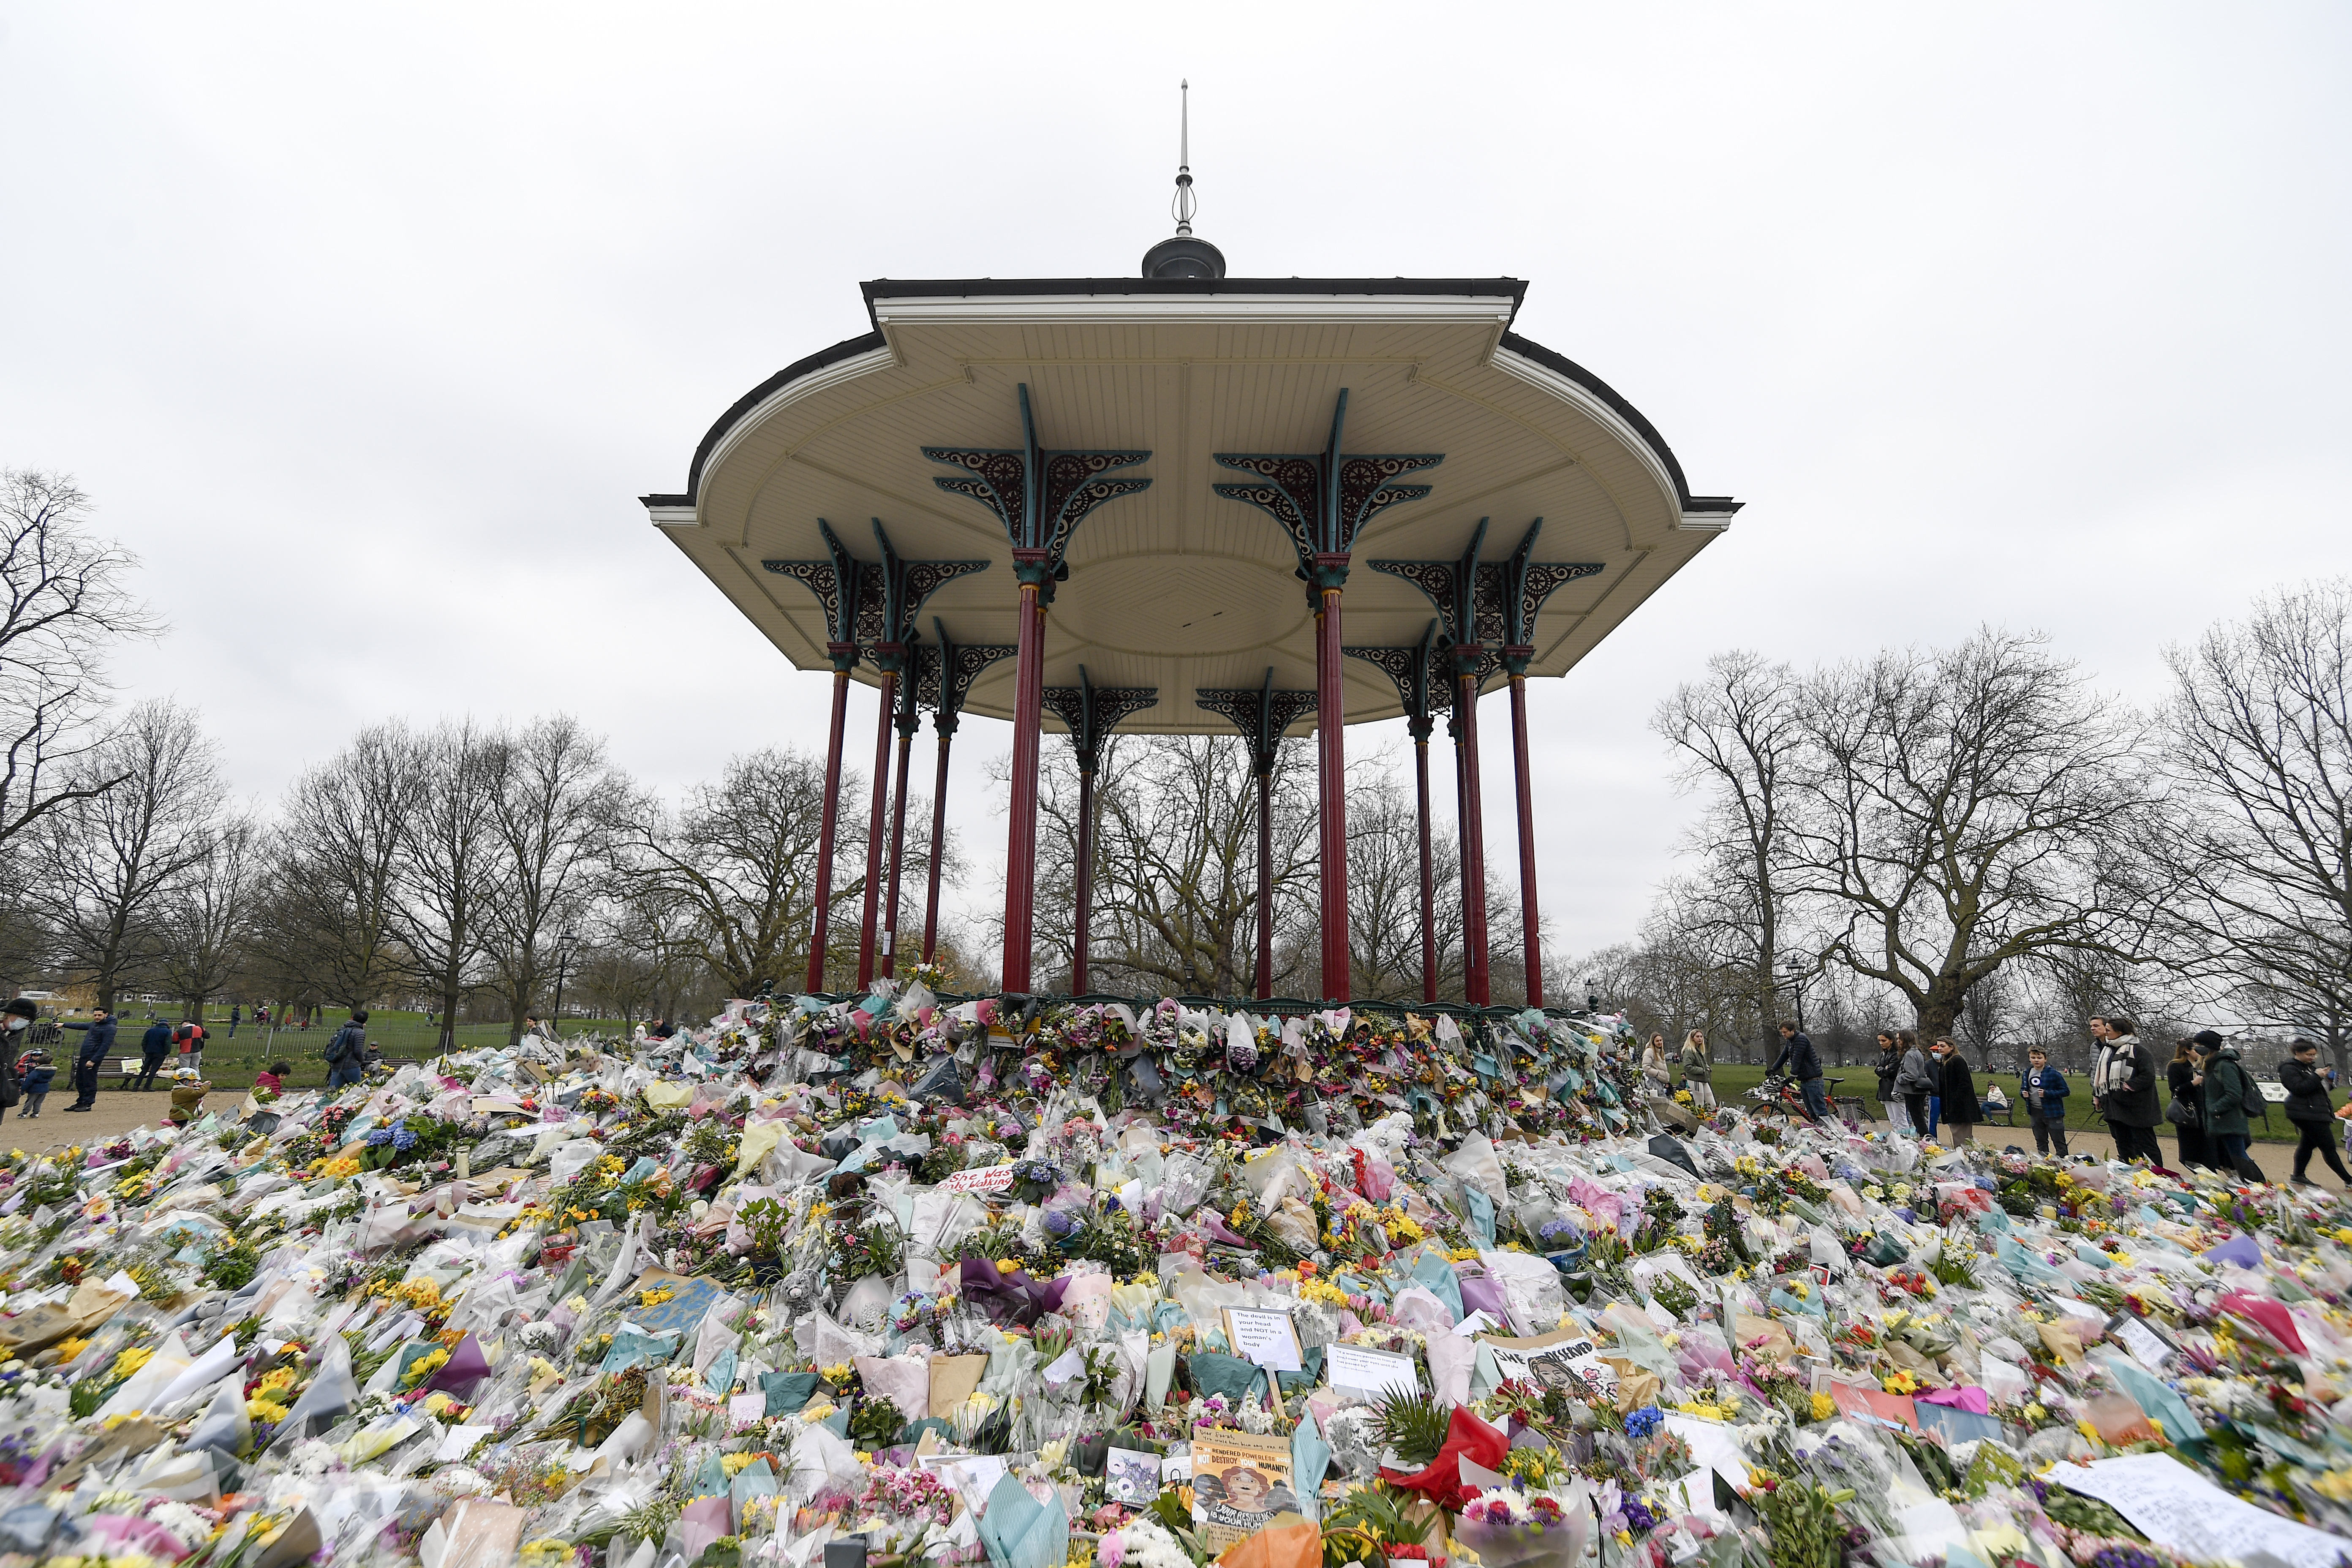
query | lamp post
[564, 942]
[1592, 997]
[1795, 970]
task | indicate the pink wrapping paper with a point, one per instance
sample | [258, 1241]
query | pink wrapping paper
[1975, 1401]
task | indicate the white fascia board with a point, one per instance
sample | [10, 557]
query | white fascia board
[1554, 384]
[792, 392]
[1187, 310]
[667, 516]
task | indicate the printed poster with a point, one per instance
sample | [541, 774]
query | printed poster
[1239, 1483]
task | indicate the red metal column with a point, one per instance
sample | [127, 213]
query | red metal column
[1526, 840]
[1084, 874]
[1428, 875]
[1021, 842]
[1265, 987]
[1331, 749]
[1474, 847]
[898, 856]
[939, 848]
[832, 816]
[873, 828]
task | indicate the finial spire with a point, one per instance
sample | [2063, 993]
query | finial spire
[1184, 254]
[1184, 206]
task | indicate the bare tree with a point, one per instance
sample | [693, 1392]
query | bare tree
[328, 927]
[1175, 861]
[63, 602]
[1385, 894]
[2260, 724]
[120, 850]
[207, 920]
[737, 864]
[1740, 733]
[447, 868]
[555, 806]
[1963, 809]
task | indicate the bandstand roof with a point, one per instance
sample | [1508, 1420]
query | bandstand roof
[1177, 587]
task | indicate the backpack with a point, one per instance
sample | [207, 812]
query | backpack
[343, 1047]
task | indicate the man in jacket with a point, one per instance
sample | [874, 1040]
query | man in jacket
[2123, 1086]
[2229, 1090]
[347, 1052]
[1957, 1085]
[2312, 1112]
[97, 1040]
[154, 1046]
[2043, 1090]
[1805, 1066]
[1915, 1080]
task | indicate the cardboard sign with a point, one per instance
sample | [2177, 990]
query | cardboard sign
[1239, 1483]
[987, 1179]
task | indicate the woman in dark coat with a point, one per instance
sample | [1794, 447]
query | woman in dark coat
[1959, 1087]
[2180, 1074]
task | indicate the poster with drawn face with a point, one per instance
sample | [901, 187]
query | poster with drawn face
[1565, 1360]
[1239, 1483]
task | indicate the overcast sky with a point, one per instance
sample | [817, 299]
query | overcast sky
[366, 326]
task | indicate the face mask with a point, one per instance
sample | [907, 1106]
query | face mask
[15, 1023]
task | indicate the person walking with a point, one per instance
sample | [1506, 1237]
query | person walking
[2043, 1090]
[1887, 1068]
[1804, 1065]
[2228, 1091]
[97, 1039]
[2123, 1086]
[2185, 1108]
[154, 1046]
[2310, 1108]
[1915, 1081]
[347, 1052]
[236, 1015]
[1699, 1073]
[36, 1072]
[1657, 1075]
[1957, 1087]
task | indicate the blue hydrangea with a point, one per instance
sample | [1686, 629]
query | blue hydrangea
[380, 1137]
[1640, 1424]
[1060, 1222]
[402, 1139]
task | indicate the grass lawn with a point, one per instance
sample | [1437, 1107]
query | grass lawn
[403, 1036]
[1733, 1080]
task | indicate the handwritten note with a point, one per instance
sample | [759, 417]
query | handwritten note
[1263, 1337]
[2182, 1512]
[987, 1179]
[2146, 1347]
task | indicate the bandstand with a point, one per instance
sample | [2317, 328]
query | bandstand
[1184, 502]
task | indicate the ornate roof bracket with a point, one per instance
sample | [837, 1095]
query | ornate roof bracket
[1091, 712]
[1039, 496]
[886, 630]
[1322, 500]
[1262, 715]
[1452, 587]
[1509, 594]
[847, 589]
[944, 672]
[1422, 678]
